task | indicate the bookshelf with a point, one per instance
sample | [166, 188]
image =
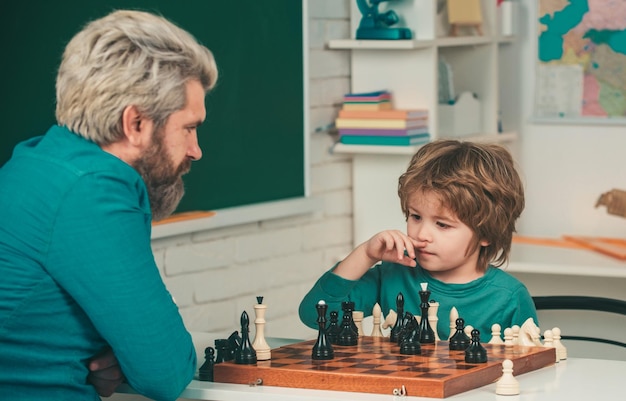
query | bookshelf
[409, 70]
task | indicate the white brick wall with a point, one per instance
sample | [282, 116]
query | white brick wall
[215, 275]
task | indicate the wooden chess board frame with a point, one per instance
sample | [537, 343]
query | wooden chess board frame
[375, 365]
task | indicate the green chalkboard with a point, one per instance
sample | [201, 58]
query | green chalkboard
[253, 138]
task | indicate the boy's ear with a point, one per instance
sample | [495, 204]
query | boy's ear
[484, 243]
[136, 126]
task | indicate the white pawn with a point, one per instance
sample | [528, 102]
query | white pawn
[468, 330]
[495, 334]
[507, 384]
[357, 317]
[515, 329]
[376, 314]
[549, 342]
[454, 314]
[561, 351]
[433, 320]
[508, 337]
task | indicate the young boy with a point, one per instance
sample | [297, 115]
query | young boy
[461, 201]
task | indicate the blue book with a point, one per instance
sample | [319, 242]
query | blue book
[369, 94]
[384, 140]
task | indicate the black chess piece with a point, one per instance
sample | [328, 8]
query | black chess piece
[459, 341]
[406, 319]
[334, 327]
[348, 308]
[347, 335]
[397, 327]
[322, 350]
[205, 373]
[223, 351]
[410, 344]
[475, 353]
[234, 343]
[245, 354]
[427, 335]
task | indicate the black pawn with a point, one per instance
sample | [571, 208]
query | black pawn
[397, 327]
[333, 328]
[427, 335]
[347, 335]
[205, 373]
[348, 308]
[322, 349]
[223, 351]
[245, 354]
[475, 353]
[459, 341]
[410, 344]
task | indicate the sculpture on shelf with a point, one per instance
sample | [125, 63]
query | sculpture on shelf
[376, 25]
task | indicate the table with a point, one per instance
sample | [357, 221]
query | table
[572, 380]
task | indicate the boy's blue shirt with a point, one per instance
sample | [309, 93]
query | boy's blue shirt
[497, 297]
[78, 275]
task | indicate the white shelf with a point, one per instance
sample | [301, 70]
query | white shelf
[504, 137]
[354, 44]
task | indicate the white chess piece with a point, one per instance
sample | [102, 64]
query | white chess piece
[508, 337]
[390, 320]
[561, 351]
[549, 342]
[515, 329]
[433, 320]
[263, 350]
[468, 330]
[496, 330]
[454, 314]
[537, 336]
[507, 384]
[529, 334]
[376, 314]
[357, 317]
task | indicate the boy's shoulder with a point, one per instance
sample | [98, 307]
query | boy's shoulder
[503, 278]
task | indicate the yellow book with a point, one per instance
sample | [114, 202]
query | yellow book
[367, 106]
[408, 114]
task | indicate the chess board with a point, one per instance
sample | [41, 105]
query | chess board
[375, 365]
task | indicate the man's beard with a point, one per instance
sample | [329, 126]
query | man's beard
[163, 181]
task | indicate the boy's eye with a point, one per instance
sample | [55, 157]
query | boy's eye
[416, 217]
[442, 225]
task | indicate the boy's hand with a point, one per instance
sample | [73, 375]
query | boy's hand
[386, 245]
[105, 373]
[390, 246]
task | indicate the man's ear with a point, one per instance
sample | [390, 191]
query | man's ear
[137, 128]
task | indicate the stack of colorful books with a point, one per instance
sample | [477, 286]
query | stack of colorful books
[370, 119]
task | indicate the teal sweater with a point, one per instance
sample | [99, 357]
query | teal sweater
[497, 297]
[77, 275]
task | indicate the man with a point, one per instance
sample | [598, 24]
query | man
[81, 298]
